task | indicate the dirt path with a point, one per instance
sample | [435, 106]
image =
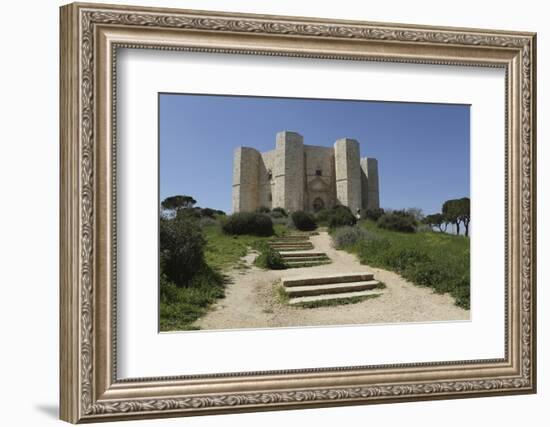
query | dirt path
[251, 300]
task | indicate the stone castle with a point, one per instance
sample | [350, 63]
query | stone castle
[295, 176]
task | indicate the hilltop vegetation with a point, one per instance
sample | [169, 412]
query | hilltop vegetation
[438, 260]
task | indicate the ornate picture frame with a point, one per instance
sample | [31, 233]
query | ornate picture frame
[90, 37]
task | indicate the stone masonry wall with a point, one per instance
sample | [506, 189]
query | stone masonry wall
[295, 176]
[245, 179]
[288, 171]
[348, 173]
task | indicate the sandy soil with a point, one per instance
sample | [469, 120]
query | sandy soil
[251, 300]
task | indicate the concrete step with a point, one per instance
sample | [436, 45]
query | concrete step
[307, 263]
[287, 250]
[331, 288]
[292, 261]
[329, 278]
[299, 254]
[315, 298]
[292, 248]
[290, 243]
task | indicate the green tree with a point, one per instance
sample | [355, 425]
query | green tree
[464, 213]
[452, 210]
[436, 220]
[173, 204]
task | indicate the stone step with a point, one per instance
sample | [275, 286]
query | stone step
[329, 278]
[299, 254]
[315, 298]
[307, 263]
[292, 248]
[331, 288]
[291, 261]
[290, 243]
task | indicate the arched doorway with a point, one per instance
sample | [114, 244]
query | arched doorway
[318, 204]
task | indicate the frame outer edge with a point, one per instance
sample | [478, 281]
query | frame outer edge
[77, 343]
[69, 221]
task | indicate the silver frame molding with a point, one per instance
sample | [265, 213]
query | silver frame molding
[90, 37]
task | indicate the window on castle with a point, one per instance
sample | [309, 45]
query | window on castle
[270, 197]
[269, 175]
[318, 172]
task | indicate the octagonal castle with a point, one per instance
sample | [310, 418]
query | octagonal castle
[295, 176]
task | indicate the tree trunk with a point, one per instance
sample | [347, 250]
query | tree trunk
[466, 226]
[457, 228]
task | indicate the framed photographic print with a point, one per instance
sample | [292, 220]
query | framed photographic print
[266, 212]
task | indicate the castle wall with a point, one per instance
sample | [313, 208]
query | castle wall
[266, 179]
[348, 173]
[370, 185]
[319, 186]
[288, 171]
[295, 176]
[246, 162]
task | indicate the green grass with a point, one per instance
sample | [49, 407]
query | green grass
[438, 260]
[180, 307]
[281, 294]
[335, 301]
[224, 251]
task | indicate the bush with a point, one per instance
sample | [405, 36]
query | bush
[256, 224]
[208, 212]
[323, 215]
[278, 213]
[303, 221]
[207, 221]
[398, 221]
[348, 236]
[341, 216]
[181, 249]
[269, 258]
[263, 209]
[372, 214]
[440, 262]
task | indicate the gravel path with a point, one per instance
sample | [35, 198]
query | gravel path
[251, 300]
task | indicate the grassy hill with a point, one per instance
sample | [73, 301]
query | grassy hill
[437, 260]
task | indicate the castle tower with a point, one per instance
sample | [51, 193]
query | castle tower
[370, 193]
[348, 173]
[288, 171]
[245, 179]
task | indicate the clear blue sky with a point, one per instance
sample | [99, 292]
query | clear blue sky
[423, 150]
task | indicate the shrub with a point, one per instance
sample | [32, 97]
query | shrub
[372, 214]
[189, 213]
[398, 221]
[323, 215]
[303, 221]
[181, 248]
[278, 213]
[341, 216]
[207, 221]
[282, 211]
[263, 209]
[269, 258]
[208, 212]
[348, 236]
[256, 224]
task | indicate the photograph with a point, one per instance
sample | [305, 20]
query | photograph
[292, 212]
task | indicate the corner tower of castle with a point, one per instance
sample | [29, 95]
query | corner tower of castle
[295, 176]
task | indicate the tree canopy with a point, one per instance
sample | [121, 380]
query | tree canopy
[175, 203]
[457, 211]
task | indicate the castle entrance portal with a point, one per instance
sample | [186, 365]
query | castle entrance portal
[318, 204]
